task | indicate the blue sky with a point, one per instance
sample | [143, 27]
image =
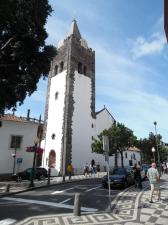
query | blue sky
[131, 59]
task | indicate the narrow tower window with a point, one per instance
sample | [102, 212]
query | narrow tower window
[56, 95]
[56, 70]
[79, 67]
[85, 70]
[61, 66]
[53, 136]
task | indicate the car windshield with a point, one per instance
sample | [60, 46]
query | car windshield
[119, 171]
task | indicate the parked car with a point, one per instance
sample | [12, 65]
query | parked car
[40, 173]
[119, 177]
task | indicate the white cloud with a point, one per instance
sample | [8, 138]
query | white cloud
[154, 44]
[128, 89]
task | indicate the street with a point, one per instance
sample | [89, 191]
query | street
[54, 205]
[55, 200]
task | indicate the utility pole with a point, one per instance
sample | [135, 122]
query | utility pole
[106, 152]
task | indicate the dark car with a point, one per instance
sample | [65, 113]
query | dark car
[119, 177]
[145, 168]
[40, 173]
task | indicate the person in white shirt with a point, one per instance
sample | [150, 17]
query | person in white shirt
[154, 179]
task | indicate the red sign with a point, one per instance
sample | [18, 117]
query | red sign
[32, 149]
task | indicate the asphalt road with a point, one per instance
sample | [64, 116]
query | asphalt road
[56, 199]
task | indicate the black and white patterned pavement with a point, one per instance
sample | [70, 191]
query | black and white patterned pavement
[130, 207]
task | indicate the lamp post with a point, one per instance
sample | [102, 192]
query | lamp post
[14, 161]
[34, 164]
[157, 147]
[153, 151]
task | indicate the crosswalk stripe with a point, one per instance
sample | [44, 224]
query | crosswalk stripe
[7, 221]
[58, 192]
[59, 205]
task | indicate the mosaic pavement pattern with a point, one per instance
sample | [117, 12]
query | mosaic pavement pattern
[130, 207]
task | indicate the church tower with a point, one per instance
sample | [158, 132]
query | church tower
[70, 104]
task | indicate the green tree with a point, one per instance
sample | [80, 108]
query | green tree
[120, 138]
[147, 144]
[24, 56]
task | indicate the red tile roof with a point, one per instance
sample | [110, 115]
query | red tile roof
[10, 117]
[134, 149]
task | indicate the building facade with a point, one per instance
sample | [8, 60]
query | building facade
[70, 117]
[16, 134]
[71, 121]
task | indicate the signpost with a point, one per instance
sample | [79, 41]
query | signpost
[19, 160]
[106, 153]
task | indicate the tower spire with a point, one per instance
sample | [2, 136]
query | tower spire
[74, 30]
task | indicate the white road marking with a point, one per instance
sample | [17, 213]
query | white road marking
[59, 205]
[66, 200]
[7, 221]
[164, 186]
[58, 192]
[103, 189]
[92, 188]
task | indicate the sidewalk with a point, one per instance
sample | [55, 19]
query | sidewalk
[24, 185]
[130, 207]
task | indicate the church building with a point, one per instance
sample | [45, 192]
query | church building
[71, 121]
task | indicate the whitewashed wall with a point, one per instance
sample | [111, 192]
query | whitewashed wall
[82, 130]
[82, 125]
[55, 119]
[103, 121]
[26, 129]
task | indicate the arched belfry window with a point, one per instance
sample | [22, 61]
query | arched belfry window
[56, 95]
[61, 66]
[53, 136]
[56, 70]
[85, 70]
[79, 67]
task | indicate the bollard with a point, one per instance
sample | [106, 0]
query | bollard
[77, 205]
[49, 174]
[7, 188]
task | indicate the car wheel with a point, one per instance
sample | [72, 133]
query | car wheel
[42, 177]
[125, 184]
[105, 185]
[19, 179]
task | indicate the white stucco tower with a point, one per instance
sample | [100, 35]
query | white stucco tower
[70, 106]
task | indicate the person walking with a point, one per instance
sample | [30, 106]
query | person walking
[154, 179]
[137, 176]
[70, 170]
[86, 170]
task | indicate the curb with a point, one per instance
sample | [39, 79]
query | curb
[4, 194]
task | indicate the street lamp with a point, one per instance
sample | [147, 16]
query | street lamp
[14, 162]
[153, 151]
[34, 164]
[157, 147]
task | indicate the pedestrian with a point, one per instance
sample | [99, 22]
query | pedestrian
[86, 169]
[154, 179]
[70, 170]
[98, 169]
[164, 167]
[137, 176]
[167, 167]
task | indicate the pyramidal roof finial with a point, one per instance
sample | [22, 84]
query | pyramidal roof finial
[74, 30]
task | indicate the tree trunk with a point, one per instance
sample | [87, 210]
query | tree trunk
[122, 161]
